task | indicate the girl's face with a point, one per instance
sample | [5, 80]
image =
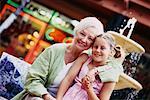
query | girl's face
[85, 38]
[101, 50]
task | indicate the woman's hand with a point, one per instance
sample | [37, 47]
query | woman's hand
[48, 97]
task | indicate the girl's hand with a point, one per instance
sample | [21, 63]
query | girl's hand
[92, 73]
[86, 84]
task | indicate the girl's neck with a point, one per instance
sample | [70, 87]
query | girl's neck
[97, 64]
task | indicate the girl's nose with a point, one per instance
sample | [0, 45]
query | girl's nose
[98, 49]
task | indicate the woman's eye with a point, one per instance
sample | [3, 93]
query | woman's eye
[90, 39]
[82, 34]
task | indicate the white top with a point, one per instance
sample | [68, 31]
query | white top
[53, 88]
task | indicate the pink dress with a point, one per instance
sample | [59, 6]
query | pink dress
[76, 92]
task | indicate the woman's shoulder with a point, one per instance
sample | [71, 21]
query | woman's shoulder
[57, 46]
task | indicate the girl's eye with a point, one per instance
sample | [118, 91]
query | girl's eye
[95, 47]
[103, 48]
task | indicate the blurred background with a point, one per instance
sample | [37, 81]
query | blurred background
[41, 23]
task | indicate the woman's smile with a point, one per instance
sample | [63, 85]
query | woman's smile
[82, 44]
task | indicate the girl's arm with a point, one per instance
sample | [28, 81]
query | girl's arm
[65, 84]
[86, 85]
[105, 92]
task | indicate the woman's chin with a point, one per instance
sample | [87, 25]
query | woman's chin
[82, 47]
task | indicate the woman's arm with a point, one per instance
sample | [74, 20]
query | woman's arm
[48, 97]
[36, 77]
[74, 70]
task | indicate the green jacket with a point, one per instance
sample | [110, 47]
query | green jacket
[43, 71]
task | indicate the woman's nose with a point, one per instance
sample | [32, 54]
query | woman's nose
[84, 39]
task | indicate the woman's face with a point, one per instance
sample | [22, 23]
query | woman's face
[84, 38]
[100, 50]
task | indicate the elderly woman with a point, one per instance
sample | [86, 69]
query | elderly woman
[51, 66]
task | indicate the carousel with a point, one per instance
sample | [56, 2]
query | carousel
[129, 46]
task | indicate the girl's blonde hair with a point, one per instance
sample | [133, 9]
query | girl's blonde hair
[111, 40]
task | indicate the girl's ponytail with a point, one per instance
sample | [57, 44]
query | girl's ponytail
[117, 49]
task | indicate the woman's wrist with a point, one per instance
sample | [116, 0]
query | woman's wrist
[59, 98]
[45, 96]
[48, 97]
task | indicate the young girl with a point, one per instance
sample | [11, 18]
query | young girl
[88, 84]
